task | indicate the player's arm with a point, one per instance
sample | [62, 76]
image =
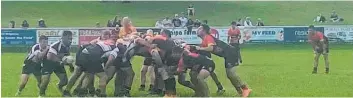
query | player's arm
[53, 55]
[144, 43]
[112, 56]
[322, 42]
[94, 41]
[228, 38]
[311, 42]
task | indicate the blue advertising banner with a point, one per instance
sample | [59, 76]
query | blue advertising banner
[18, 37]
[298, 34]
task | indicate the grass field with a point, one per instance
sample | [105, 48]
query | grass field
[270, 70]
[86, 14]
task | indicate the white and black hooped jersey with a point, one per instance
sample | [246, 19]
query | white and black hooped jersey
[59, 48]
[33, 52]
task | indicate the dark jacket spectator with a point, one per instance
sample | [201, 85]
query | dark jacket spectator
[116, 22]
[109, 24]
[12, 24]
[259, 22]
[24, 24]
[197, 23]
[176, 21]
[41, 23]
[189, 25]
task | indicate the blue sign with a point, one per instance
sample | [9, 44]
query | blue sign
[298, 34]
[18, 37]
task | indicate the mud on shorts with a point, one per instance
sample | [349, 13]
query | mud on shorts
[32, 68]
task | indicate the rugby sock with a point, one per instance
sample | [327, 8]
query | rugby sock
[315, 70]
[327, 70]
[219, 86]
[151, 87]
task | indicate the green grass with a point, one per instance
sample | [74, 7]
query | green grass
[86, 14]
[270, 70]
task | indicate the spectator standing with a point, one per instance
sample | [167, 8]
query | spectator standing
[24, 24]
[191, 10]
[176, 21]
[259, 22]
[240, 22]
[41, 23]
[167, 22]
[159, 24]
[247, 22]
[115, 32]
[320, 18]
[183, 20]
[12, 24]
[116, 22]
[189, 25]
[197, 23]
[109, 23]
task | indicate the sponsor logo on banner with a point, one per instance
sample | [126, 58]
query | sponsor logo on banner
[55, 35]
[18, 37]
[191, 37]
[86, 35]
[261, 34]
[298, 34]
[339, 34]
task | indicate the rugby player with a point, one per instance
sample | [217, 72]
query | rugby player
[53, 62]
[201, 66]
[320, 46]
[147, 64]
[234, 37]
[221, 49]
[33, 63]
[105, 35]
[91, 59]
[124, 75]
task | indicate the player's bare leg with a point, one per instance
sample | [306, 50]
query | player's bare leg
[241, 87]
[86, 81]
[73, 78]
[201, 77]
[214, 77]
[44, 84]
[144, 70]
[24, 80]
[182, 81]
[110, 71]
[327, 70]
[316, 62]
[129, 75]
[152, 77]
[62, 80]
[102, 84]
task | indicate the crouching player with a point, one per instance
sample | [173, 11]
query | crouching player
[222, 49]
[201, 67]
[54, 62]
[320, 45]
[92, 60]
[124, 75]
[32, 63]
[79, 63]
